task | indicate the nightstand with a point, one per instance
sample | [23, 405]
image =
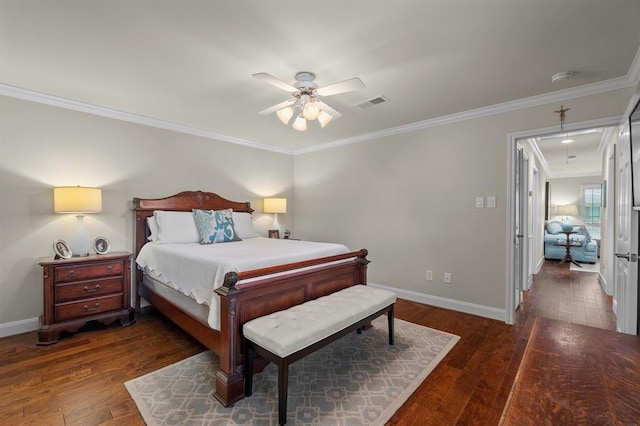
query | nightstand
[83, 289]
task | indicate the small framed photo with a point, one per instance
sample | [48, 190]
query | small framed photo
[62, 249]
[101, 245]
[274, 233]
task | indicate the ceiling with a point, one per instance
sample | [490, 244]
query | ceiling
[582, 157]
[189, 63]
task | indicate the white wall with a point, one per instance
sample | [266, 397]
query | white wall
[569, 191]
[409, 199]
[42, 147]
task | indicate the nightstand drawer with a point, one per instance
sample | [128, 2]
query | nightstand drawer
[78, 273]
[87, 289]
[88, 307]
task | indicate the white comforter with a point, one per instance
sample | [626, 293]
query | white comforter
[196, 270]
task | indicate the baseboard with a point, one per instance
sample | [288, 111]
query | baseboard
[442, 302]
[19, 327]
[603, 282]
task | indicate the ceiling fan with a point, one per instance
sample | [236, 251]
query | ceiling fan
[306, 98]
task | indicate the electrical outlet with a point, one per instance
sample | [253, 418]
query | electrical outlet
[491, 201]
[447, 277]
[429, 275]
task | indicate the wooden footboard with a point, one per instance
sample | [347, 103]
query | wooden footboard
[245, 295]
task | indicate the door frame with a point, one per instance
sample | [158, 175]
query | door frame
[512, 141]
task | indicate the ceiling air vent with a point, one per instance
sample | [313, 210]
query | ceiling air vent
[375, 101]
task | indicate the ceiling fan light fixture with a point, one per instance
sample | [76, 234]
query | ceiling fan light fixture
[324, 118]
[311, 111]
[300, 124]
[285, 114]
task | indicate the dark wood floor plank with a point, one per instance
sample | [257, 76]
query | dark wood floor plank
[567, 379]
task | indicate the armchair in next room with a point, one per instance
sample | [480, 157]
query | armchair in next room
[583, 247]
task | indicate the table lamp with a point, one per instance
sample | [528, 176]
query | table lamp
[567, 211]
[79, 200]
[275, 206]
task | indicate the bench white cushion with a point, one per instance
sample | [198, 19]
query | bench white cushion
[288, 331]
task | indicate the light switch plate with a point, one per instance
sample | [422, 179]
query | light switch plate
[479, 202]
[491, 202]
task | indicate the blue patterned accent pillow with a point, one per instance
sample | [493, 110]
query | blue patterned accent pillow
[215, 226]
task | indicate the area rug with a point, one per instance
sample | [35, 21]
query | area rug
[357, 380]
[586, 267]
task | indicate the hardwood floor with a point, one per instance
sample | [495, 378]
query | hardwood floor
[80, 379]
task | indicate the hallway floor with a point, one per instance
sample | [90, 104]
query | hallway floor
[565, 295]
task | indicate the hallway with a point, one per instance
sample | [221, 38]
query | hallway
[564, 295]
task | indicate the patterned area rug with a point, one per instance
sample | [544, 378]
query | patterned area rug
[356, 380]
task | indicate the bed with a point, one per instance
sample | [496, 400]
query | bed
[242, 294]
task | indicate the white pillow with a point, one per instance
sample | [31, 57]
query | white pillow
[244, 225]
[176, 227]
[152, 223]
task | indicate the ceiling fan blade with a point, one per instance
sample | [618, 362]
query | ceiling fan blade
[344, 86]
[268, 78]
[326, 108]
[278, 106]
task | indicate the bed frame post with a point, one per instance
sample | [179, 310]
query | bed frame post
[229, 378]
[362, 260]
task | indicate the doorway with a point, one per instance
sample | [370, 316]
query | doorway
[538, 173]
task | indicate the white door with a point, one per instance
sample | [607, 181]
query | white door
[626, 280]
[533, 232]
[520, 228]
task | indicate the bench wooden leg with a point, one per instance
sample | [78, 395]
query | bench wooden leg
[390, 323]
[283, 385]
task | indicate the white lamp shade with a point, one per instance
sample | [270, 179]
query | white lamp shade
[310, 111]
[275, 205]
[285, 114]
[77, 199]
[300, 124]
[324, 118]
[567, 210]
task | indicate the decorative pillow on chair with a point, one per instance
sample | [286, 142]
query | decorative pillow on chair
[554, 227]
[215, 226]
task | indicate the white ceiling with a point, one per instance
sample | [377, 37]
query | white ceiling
[190, 62]
[582, 157]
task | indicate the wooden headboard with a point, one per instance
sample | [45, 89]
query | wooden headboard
[183, 201]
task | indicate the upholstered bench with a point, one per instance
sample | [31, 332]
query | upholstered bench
[287, 336]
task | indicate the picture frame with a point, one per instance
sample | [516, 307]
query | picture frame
[101, 245]
[62, 250]
[274, 233]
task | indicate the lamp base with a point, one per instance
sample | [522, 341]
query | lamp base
[275, 226]
[80, 241]
[567, 226]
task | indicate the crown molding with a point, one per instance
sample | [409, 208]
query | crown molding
[631, 79]
[43, 98]
[634, 70]
[533, 143]
[533, 101]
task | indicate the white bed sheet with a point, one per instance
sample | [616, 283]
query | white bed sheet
[196, 269]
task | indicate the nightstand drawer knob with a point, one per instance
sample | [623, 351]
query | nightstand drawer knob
[72, 273]
[88, 309]
[91, 290]
[109, 269]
